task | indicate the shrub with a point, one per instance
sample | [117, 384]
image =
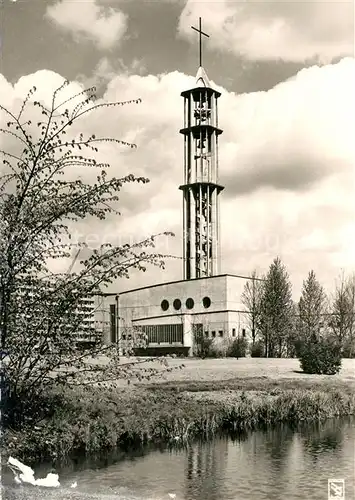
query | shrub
[217, 351]
[238, 348]
[298, 346]
[203, 346]
[321, 356]
[348, 350]
[257, 350]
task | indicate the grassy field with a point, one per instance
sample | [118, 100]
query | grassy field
[229, 368]
[199, 399]
[201, 375]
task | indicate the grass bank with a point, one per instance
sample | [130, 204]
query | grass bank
[96, 419]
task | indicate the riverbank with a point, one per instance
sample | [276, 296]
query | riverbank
[92, 420]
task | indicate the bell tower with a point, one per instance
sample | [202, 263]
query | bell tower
[201, 248]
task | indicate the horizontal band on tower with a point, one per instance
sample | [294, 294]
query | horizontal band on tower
[195, 129]
[186, 187]
[198, 90]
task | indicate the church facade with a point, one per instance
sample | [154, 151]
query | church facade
[204, 302]
[171, 314]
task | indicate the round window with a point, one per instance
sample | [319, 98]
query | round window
[164, 305]
[177, 304]
[190, 303]
[206, 301]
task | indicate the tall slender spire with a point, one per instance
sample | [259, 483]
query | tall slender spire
[201, 188]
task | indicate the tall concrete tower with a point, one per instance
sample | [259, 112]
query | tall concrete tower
[201, 252]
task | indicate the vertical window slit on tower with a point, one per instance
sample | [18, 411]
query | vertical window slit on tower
[201, 108]
[208, 230]
[201, 220]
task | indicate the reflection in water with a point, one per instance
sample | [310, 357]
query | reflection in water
[322, 437]
[273, 464]
[205, 469]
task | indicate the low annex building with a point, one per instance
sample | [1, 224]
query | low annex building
[170, 314]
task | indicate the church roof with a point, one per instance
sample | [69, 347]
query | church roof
[202, 78]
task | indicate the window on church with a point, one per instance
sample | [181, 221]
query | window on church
[164, 305]
[220, 333]
[233, 332]
[177, 304]
[190, 303]
[243, 332]
[206, 334]
[213, 333]
[206, 301]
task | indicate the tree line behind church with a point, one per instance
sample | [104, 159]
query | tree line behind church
[316, 327]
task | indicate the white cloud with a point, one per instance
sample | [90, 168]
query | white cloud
[273, 30]
[286, 158]
[290, 136]
[103, 25]
[46, 82]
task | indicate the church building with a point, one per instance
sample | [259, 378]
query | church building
[204, 301]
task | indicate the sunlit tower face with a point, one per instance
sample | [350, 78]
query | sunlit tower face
[201, 188]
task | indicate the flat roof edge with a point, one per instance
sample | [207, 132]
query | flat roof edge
[182, 281]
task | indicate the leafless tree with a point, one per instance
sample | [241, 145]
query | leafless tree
[251, 299]
[343, 313]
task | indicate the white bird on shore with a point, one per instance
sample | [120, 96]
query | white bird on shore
[172, 495]
[74, 485]
[24, 474]
[17, 479]
[50, 481]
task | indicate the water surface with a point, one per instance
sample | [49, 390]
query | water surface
[274, 464]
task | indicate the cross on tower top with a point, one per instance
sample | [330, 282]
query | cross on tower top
[200, 32]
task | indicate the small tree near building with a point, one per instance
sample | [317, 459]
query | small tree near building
[237, 348]
[203, 346]
[312, 308]
[251, 299]
[275, 317]
[319, 351]
[342, 309]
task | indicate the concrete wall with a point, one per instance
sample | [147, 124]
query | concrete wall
[234, 290]
[146, 303]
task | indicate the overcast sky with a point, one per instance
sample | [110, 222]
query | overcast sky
[287, 75]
